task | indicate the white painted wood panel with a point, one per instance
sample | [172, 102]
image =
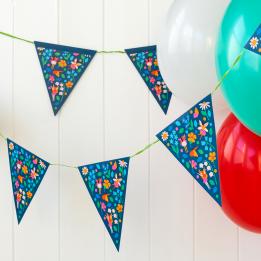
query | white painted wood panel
[6, 126]
[35, 128]
[81, 135]
[110, 114]
[126, 121]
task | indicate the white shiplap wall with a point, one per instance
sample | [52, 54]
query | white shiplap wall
[110, 114]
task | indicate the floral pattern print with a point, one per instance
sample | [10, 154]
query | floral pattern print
[146, 62]
[62, 67]
[27, 172]
[254, 43]
[192, 140]
[106, 182]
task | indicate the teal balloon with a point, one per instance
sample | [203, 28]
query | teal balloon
[242, 86]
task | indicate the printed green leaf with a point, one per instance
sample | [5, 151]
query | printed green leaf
[181, 130]
[211, 182]
[203, 113]
[187, 165]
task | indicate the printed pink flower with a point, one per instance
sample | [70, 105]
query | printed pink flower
[54, 61]
[17, 184]
[149, 63]
[193, 164]
[99, 184]
[33, 174]
[103, 206]
[117, 181]
[152, 80]
[183, 142]
[51, 78]
[203, 128]
[109, 219]
[75, 64]
[19, 165]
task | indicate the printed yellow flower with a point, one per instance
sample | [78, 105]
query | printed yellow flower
[85, 171]
[29, 194]
[212, 156]
[164, 135]
[62, 63]
[69, 84]
[106, 183]
[254, 42]
[11, 146]
[25, 169]
[192, 137]
[119, 208]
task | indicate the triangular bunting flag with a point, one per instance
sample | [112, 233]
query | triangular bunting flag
[106, 182]
[62, 67]
[192, 140]
[27, 172]
[146, 62]
[254, 43]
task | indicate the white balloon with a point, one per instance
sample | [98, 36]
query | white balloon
[186, 50]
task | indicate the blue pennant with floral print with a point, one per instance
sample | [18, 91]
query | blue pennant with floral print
[107, 182]
[62, 67]
[146, 62]
[192, 140]
[254, 43]
[27, 172]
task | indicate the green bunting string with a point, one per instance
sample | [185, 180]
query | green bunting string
[235, 62]
[148, 146]
[31, 42]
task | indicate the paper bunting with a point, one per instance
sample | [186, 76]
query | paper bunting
[146, 62]
[106, 182]
[192, 140]
[27, 172]
[62, 67]
[254, 43]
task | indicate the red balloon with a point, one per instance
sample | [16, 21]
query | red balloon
[239, 153]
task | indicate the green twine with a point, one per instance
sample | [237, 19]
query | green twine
[2, 136]
[108, 52]
[63, 165]
[16, 37]
[238, 58]
[31, 42]
[144, 149]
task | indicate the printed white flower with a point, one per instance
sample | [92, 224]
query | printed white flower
[42, 164]
[123, 163]
[164, 135]
[11, 146]
[201, 165]
[85, 170]
[254, 42]
[211, 174]
[204, 105]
